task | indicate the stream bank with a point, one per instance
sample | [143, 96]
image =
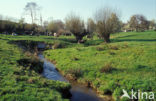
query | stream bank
[79, 92]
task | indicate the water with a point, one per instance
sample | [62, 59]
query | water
[49, 70]
[82, 93]
[79, 92]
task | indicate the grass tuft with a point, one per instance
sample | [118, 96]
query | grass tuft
[106, 68]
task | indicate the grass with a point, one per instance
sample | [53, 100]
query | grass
[127, 63]
[20, 79]
[61, 42]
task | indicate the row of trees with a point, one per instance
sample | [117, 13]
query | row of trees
[106, 21]
[20, 27]
[140, 23]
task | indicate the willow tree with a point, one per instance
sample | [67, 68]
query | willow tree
[76, 26]
[107, 22]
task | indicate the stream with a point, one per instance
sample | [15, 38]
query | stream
[78, 92]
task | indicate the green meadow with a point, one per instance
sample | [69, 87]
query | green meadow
[128, 62]
[21, 81]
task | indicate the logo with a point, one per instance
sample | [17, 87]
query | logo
[138, 95]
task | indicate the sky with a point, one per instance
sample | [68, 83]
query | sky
[59, 9]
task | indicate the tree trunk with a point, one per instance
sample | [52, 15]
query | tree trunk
[107, 38]
[32, 17]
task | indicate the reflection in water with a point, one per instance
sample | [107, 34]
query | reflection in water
[82, 93]
[49, 70]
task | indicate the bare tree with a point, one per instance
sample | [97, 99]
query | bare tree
[91, 26]
[76, 26]
[107, 21]
[144, 23]
[32, 8]
[41, 20]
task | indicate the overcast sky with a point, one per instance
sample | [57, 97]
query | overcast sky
[58, 9]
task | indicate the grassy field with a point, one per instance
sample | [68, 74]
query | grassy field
[20, 79]
[128, 62]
